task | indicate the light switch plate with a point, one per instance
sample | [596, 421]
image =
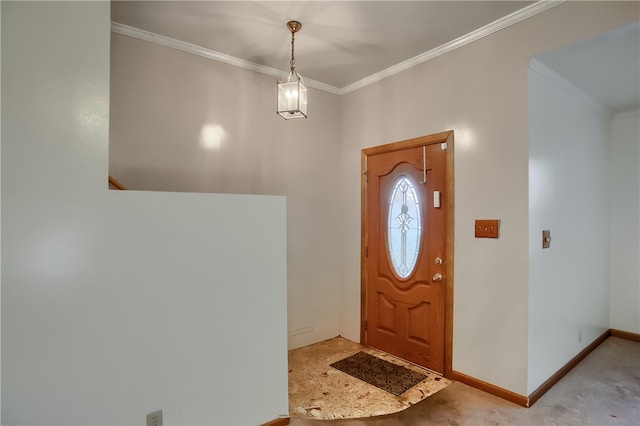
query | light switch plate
[487, 228]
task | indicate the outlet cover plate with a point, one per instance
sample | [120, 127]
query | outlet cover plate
[155, 418]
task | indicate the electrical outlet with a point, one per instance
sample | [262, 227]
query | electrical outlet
[579, 336]
[155, 418]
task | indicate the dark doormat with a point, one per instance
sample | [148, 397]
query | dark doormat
[382, 374]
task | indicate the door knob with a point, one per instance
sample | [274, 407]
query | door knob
[437, 277]
[438, 261]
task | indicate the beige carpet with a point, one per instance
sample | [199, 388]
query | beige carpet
[319, 391]
[603, 390]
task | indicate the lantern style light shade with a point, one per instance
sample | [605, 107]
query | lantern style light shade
[292, 97]
[292, 92]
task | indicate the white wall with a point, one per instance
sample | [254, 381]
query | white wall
[625, 222]
[479, 91]
[0, 216]
[568, 195]
[161, 99]
[115, 304]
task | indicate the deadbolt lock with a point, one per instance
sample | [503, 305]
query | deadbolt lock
[438, 261]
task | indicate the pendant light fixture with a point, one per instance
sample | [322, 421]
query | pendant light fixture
[292, 92]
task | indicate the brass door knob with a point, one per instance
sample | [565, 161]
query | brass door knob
[437, 277]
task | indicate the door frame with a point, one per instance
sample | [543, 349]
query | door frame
[448, 197]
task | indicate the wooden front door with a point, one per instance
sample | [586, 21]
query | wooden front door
[407, 248]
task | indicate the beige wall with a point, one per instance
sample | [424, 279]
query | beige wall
[625, 222]
[161, 99]
[479, 91]
[118, 303]
[568, 194]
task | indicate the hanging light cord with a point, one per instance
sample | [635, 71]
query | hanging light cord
[293, 58]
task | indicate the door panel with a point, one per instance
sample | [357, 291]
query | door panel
[404, 305]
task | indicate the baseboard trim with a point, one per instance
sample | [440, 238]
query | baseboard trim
[548, 384]
[527, 402]
[625, 335]
[489, 388]
[280, 421]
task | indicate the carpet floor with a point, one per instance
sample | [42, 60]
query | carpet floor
[604, 389]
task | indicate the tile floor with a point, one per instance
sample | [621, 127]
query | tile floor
[318, 391]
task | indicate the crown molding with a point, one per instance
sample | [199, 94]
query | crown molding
[211, 54]
[502, 23]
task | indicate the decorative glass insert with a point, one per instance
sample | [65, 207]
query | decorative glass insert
[404, 227]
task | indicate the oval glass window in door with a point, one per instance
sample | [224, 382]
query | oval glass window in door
[404, 227]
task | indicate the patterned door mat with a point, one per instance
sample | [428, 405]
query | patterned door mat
[382, 374]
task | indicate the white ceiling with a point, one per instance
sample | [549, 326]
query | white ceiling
[344, 45]
[341, 42]
[606, 67]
